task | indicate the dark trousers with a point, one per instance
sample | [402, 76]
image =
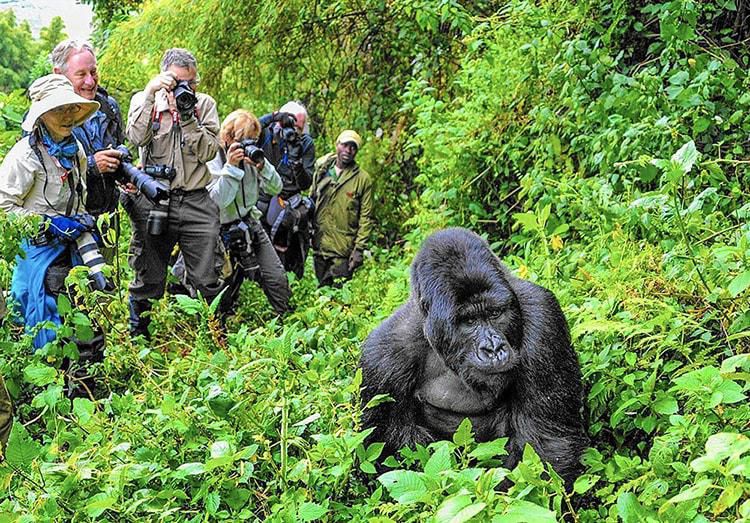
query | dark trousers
[192, 222]
[330, 269]
[271, 274]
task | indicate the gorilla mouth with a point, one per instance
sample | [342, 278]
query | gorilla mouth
[495, 362]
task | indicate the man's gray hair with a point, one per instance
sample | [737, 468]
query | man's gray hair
[179, 57]
[62, 52]
[294, 107]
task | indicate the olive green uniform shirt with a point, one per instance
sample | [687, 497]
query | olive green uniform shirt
[343, 209]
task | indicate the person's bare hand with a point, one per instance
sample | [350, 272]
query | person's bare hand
[258, 165]
[166, 80]
[107, 160]
[128, 188]
[235, 154]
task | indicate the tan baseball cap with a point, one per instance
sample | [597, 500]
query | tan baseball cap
[350, 136]
[52, 91]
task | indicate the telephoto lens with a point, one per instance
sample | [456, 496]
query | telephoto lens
[252, 151]
[149, 187]
[158, 218]
[89, 252]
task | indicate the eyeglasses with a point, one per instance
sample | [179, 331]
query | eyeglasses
[66, 109]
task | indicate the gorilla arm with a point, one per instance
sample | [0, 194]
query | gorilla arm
[392, 362]
[549, 409]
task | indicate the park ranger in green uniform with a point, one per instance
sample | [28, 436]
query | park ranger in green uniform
[343, 211]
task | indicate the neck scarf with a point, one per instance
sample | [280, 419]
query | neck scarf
[65, 150]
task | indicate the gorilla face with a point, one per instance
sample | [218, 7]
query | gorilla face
[472, 316]
[485, 341]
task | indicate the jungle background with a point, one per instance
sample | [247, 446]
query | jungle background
[602, 149]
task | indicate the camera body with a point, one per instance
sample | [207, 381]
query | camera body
[184, 97]
[242, 247]
[160, 171]
[288, 125]
[251, 150]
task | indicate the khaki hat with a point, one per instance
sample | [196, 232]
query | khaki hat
[350, 136]
[52, 91]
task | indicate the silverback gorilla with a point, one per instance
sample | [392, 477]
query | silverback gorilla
[473, 341]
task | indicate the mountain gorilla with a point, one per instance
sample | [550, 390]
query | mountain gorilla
[473, 341]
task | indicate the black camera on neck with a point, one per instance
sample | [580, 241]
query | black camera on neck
[160, 171]
[241, 243]
[251, 150]
[184, 97]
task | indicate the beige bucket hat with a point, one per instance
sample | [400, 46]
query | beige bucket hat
[51, 91]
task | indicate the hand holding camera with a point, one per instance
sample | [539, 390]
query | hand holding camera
[107, 160]
[235, 154]
[166, 80]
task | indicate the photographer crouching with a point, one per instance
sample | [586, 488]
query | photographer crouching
[44, 174]
[287, 144]
[240, 170]
[176, 131]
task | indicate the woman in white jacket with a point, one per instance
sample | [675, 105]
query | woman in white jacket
[237, 177]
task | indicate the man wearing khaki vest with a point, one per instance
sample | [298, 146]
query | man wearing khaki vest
[176, 130]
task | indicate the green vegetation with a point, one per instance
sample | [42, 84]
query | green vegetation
[602, 149]
[22, 58]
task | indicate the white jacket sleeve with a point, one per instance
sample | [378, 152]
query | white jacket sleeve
[223, 188]
[270, 181]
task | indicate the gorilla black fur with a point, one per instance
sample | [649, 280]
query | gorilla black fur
[475, 341]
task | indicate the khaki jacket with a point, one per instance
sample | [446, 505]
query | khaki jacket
[343, 209]
[193, 144]
[25, 187]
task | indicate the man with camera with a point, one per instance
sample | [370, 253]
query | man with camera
[101, 133]
[176, 131]
[343, 211]
[287, 144]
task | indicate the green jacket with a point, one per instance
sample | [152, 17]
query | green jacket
[6, 416]
[343, 209]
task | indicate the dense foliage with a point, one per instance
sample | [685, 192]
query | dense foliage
[602, 149]
[23, 58]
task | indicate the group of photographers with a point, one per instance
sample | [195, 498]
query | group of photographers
[210, 189]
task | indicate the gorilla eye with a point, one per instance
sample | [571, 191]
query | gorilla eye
[470, 321]
[496, 314]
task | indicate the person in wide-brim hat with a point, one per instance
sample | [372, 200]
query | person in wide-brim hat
[52, 92]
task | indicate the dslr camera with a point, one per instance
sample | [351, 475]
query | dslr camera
[288, 127]
[251, 150]
[242, 247]
[184, 97]
[144, 181]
